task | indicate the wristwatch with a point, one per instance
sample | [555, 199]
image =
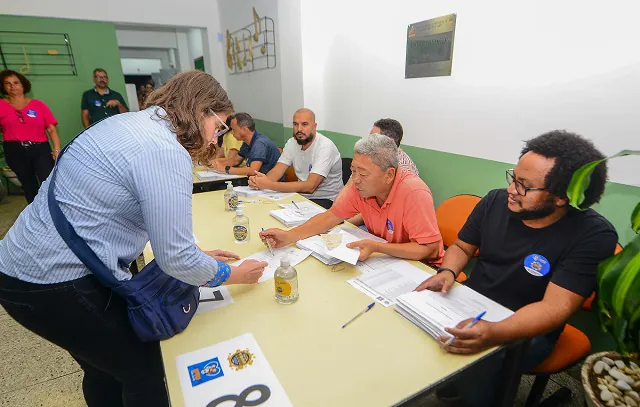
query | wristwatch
[227, 168]
[441, 269]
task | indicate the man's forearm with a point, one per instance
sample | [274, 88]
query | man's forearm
[409, 251]
[122, 109]
[528, 323]
[455, 258]
[241, 170]
[297, 186]
[318, 224]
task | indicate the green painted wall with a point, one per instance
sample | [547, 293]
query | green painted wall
[272, 130]
[94, 45]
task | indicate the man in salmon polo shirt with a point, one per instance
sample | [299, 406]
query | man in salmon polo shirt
[395, 204]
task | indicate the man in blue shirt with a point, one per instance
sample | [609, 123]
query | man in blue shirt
[259, 151]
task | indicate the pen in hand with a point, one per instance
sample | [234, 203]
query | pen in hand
[269, 245]
[469, 325]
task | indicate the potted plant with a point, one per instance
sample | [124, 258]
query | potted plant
[613, 378]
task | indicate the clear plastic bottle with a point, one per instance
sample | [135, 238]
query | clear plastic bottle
[230, 198]
[286, 283]
[240, 227]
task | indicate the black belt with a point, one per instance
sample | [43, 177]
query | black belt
[27, 143]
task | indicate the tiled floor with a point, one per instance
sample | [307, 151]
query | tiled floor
[34, 372]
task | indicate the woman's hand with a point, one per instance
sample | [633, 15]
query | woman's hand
[248, 272]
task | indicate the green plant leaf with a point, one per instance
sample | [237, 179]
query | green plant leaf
[582, 178]
[635, 219]
[627, 270]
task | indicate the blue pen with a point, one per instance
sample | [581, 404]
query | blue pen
[360, 313]
[469, 325]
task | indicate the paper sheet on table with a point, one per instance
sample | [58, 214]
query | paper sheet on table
[294, 254]
[344, 253]
[292, 215]
[275, 196]
[385, 278]
[433, 312]
[213, 175]
[236, 368]
[213, 298]
[249, 192]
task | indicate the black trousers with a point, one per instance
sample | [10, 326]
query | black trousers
[32, 165]
[84, 318]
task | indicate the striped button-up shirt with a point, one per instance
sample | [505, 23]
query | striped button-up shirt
[122, 183]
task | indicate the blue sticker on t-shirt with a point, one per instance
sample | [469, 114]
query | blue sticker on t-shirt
[389, 226]
[310, 165]
[537, 265]
[31, 113]
[97, 103]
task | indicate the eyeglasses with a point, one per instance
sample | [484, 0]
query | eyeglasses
[101, 77]
[521, 189]
[20, 116]
[224, 129]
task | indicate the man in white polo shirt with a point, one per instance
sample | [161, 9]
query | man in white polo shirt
[315, 159]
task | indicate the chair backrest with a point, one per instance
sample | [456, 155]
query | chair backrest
[346, 169]
[452, 215]
[290, 174]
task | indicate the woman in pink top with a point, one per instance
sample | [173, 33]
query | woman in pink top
[25, 124]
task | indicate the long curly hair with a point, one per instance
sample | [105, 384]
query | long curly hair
[187, 98]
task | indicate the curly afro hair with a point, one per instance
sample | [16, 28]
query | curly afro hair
[571, 151]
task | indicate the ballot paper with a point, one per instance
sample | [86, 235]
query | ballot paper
[344, 253]
[294, 215]
[231, 373]
[385, 278]
[275, 196]
[294, 254]
[332, 240]
[213, 298]
[433, 311]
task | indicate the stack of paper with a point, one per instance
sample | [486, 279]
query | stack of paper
[248, 192]
[294, 254]
[433, 312]
[294, 215]
[321, 252]
[385, 278]
[213, 176]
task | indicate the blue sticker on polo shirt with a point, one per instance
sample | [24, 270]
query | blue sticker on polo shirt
[310, 165]
[31, 113]
[537, 265]
[98, 103]
[205, 371]
[389, 226]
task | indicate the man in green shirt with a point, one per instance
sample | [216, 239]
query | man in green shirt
[101, 102]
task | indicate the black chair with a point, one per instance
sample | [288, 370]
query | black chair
[346, 169]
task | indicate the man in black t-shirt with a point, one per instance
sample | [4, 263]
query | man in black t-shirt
[538, 256]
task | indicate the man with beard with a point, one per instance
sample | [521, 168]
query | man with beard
[101, 101]
[538, 256]
[315, 159]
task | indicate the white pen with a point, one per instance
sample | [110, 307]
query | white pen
[269, 245]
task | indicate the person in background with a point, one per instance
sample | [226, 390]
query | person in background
[538, 257]
[228, 149]
[315, 159]
[392, 128]
[257, 149]
[101, 101]
[122, 183]
[387, 197]
[25, 125]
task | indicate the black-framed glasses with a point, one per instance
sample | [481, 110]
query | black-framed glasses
[521, 189]
[20, 116]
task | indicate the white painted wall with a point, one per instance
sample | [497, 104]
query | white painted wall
[185, 63]
[140, 66]
[519, 69]
[188, 13]
[195, 42]
[146, 38]
[161, 54]
[290, 62]
[258, 93]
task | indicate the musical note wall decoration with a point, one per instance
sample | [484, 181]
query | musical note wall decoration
[260, 33]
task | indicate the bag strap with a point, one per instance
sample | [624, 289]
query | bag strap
[77, 244]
